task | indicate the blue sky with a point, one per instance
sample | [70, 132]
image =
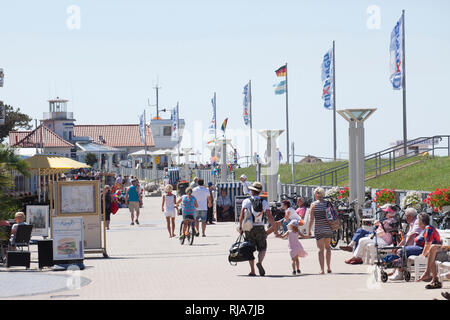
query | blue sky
[108, 67]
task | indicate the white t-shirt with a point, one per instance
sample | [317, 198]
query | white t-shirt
[291, 214]
[201, 194]
[247, 204]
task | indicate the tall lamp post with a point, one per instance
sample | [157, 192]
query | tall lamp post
[272, 162]
[356, 118]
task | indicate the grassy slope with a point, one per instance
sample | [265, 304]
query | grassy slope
[427, 175]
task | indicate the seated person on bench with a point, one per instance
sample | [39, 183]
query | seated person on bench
[225, 210]
[20, 220]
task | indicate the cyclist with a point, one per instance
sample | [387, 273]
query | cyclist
[188, 205]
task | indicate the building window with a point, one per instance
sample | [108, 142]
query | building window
[65, 135]
[70, 135]
[167, 131]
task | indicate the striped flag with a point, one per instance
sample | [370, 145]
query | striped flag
[212, 126]
[281, 71]
[224, 125]
[280, 88]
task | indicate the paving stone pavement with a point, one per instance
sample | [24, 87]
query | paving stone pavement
[145, 263]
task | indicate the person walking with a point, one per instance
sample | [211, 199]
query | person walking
[322, 230]
[133, 199]
[296, 249]
[201, 194]
[168, 207]
[245, 185]
[108, 199]
[194, 183]
[210, 213]
[257, 235]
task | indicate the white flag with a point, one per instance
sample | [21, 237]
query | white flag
[175, 130]
[327, 80]
[396, 50]
[142, 128]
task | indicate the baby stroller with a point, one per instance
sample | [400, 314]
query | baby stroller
[385, 258]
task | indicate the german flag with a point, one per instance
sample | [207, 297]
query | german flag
[281, 71]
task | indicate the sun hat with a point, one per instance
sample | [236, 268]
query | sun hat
[293, 223]
[257, 186]
[244, 176]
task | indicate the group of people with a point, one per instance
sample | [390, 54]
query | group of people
[133, 198]
[422, 239]
[196, 205]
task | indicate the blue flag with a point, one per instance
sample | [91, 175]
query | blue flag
[280, 88]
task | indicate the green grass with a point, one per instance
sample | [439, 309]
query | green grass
[426, 175]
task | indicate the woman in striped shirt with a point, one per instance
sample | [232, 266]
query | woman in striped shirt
[322, 230]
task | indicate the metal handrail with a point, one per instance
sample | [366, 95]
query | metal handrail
[377, 156]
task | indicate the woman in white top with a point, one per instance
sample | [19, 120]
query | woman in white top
[168, 207]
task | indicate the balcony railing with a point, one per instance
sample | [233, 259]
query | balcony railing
[58, 115]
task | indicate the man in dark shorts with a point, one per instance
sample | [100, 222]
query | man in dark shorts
[257, 235]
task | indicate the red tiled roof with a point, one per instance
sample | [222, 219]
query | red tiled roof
[29, 139]
[16, 136]
[114, 135]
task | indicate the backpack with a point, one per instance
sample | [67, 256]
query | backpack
[249, 218]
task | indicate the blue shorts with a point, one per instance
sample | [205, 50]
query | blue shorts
[285, 224]
[413, 251]
[201, 214]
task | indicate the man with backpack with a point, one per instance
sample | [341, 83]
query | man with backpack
[256, 233]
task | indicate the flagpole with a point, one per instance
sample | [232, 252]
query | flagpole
[251, 120]
[334, 101]
[287, 119]
[215, 126]
[404, 86]
[178, 128]
[145, 135]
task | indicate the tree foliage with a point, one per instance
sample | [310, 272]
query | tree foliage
[90, 159]
[14, 120]
[9, 161]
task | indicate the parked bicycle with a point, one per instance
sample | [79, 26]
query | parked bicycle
[346, 213]
[442, 220]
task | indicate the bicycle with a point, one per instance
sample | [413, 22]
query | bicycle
[442, 220]
[346, 213]
[190, 231]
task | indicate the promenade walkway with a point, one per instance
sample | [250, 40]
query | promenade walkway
[145, 264]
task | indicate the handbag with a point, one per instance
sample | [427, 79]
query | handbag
[241, 251]
[332, 217]
[114, 207]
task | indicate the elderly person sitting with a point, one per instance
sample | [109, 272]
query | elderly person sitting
[417, 225]
[383, 239]
[362, 233]
[20, 220]
[224, 208]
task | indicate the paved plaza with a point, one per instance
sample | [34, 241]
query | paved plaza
[145, 263]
